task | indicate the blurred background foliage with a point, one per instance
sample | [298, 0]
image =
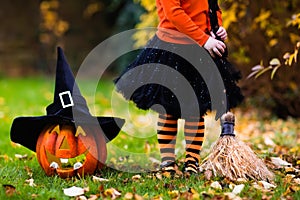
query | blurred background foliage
[31, 30]
[261, 33]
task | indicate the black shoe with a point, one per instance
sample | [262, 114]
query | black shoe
[191, 166]
[168, 167]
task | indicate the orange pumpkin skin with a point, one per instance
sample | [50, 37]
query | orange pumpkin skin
[61, 142]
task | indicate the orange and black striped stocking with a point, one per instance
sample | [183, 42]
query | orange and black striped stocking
[194, 135]
[166, 135]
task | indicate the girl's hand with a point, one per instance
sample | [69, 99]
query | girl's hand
[222, 33]
[215, 47]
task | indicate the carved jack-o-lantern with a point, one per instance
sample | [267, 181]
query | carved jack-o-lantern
[63, 148]
[68, 151]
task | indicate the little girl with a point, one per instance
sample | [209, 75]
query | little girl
[190, 18]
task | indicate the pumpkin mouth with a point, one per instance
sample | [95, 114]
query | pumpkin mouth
[66, 163]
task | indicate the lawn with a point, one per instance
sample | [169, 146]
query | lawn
[133, 155]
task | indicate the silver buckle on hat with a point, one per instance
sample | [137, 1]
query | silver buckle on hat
[62, 100]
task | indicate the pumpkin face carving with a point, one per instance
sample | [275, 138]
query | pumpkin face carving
[68, 151]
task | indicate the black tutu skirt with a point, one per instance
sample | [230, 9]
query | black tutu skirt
[179, 79]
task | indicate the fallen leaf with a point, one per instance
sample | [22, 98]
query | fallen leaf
[146, 196]
[274, 62]
[138, 197]
[297, 181]
[93, 197]
[98, 179]
[279, 162]
[158, 176]
[28, 170]
[294, 188]
[31, 182]
[5, 157]
[101, 188]
[19, 156]
[112, 193]
[195, 194]
[257, 67]
[157, 198]
[126, 180]
[269, 142]
[173, 194]
[238, 189]
[186, 195]
[232, 196]
[291, 170]
[166, 174]
[9, 190]
[216, 185]
[241, 180]
[136, 177]
[81, 198]
[289, 177]
[74, 191]
[128, 195]
[291, 189]
[266, 185]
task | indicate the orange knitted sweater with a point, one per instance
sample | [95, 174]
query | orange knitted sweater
[189, 17]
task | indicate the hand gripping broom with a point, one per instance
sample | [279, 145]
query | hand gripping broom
[232, 158]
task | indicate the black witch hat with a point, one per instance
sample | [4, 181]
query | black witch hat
[69, 106]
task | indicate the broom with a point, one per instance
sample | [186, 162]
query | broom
[232, 158]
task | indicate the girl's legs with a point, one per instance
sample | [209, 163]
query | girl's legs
[166, 134]
[194, 135]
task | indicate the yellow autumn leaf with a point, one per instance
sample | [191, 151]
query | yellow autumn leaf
[274, 62]
[296, 55]
[274, 71]
[262, 18]
[294, 37]
[61, 27]
[112, 193]
[290, 60]
[148, 4]
[273, 42]
[54, 4]
[270, 33]
[173, 194]
[294, 149]
[229, 15]
[293, 86]
[92, 8]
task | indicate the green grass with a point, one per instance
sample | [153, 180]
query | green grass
[129, 152]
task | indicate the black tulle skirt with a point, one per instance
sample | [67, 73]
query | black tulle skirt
[179, 79]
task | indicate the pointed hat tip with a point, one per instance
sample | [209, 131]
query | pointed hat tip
[60, 53]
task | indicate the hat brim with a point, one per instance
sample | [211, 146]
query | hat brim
[26, 130]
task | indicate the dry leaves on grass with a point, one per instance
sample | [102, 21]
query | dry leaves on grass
[111, 193]
[74, 191]
[9, 190]
[99, 179]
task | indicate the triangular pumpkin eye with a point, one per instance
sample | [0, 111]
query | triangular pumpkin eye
[64, 144]
[80, 131]
[55, 130]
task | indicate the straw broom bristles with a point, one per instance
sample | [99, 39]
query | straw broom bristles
[232, 158]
